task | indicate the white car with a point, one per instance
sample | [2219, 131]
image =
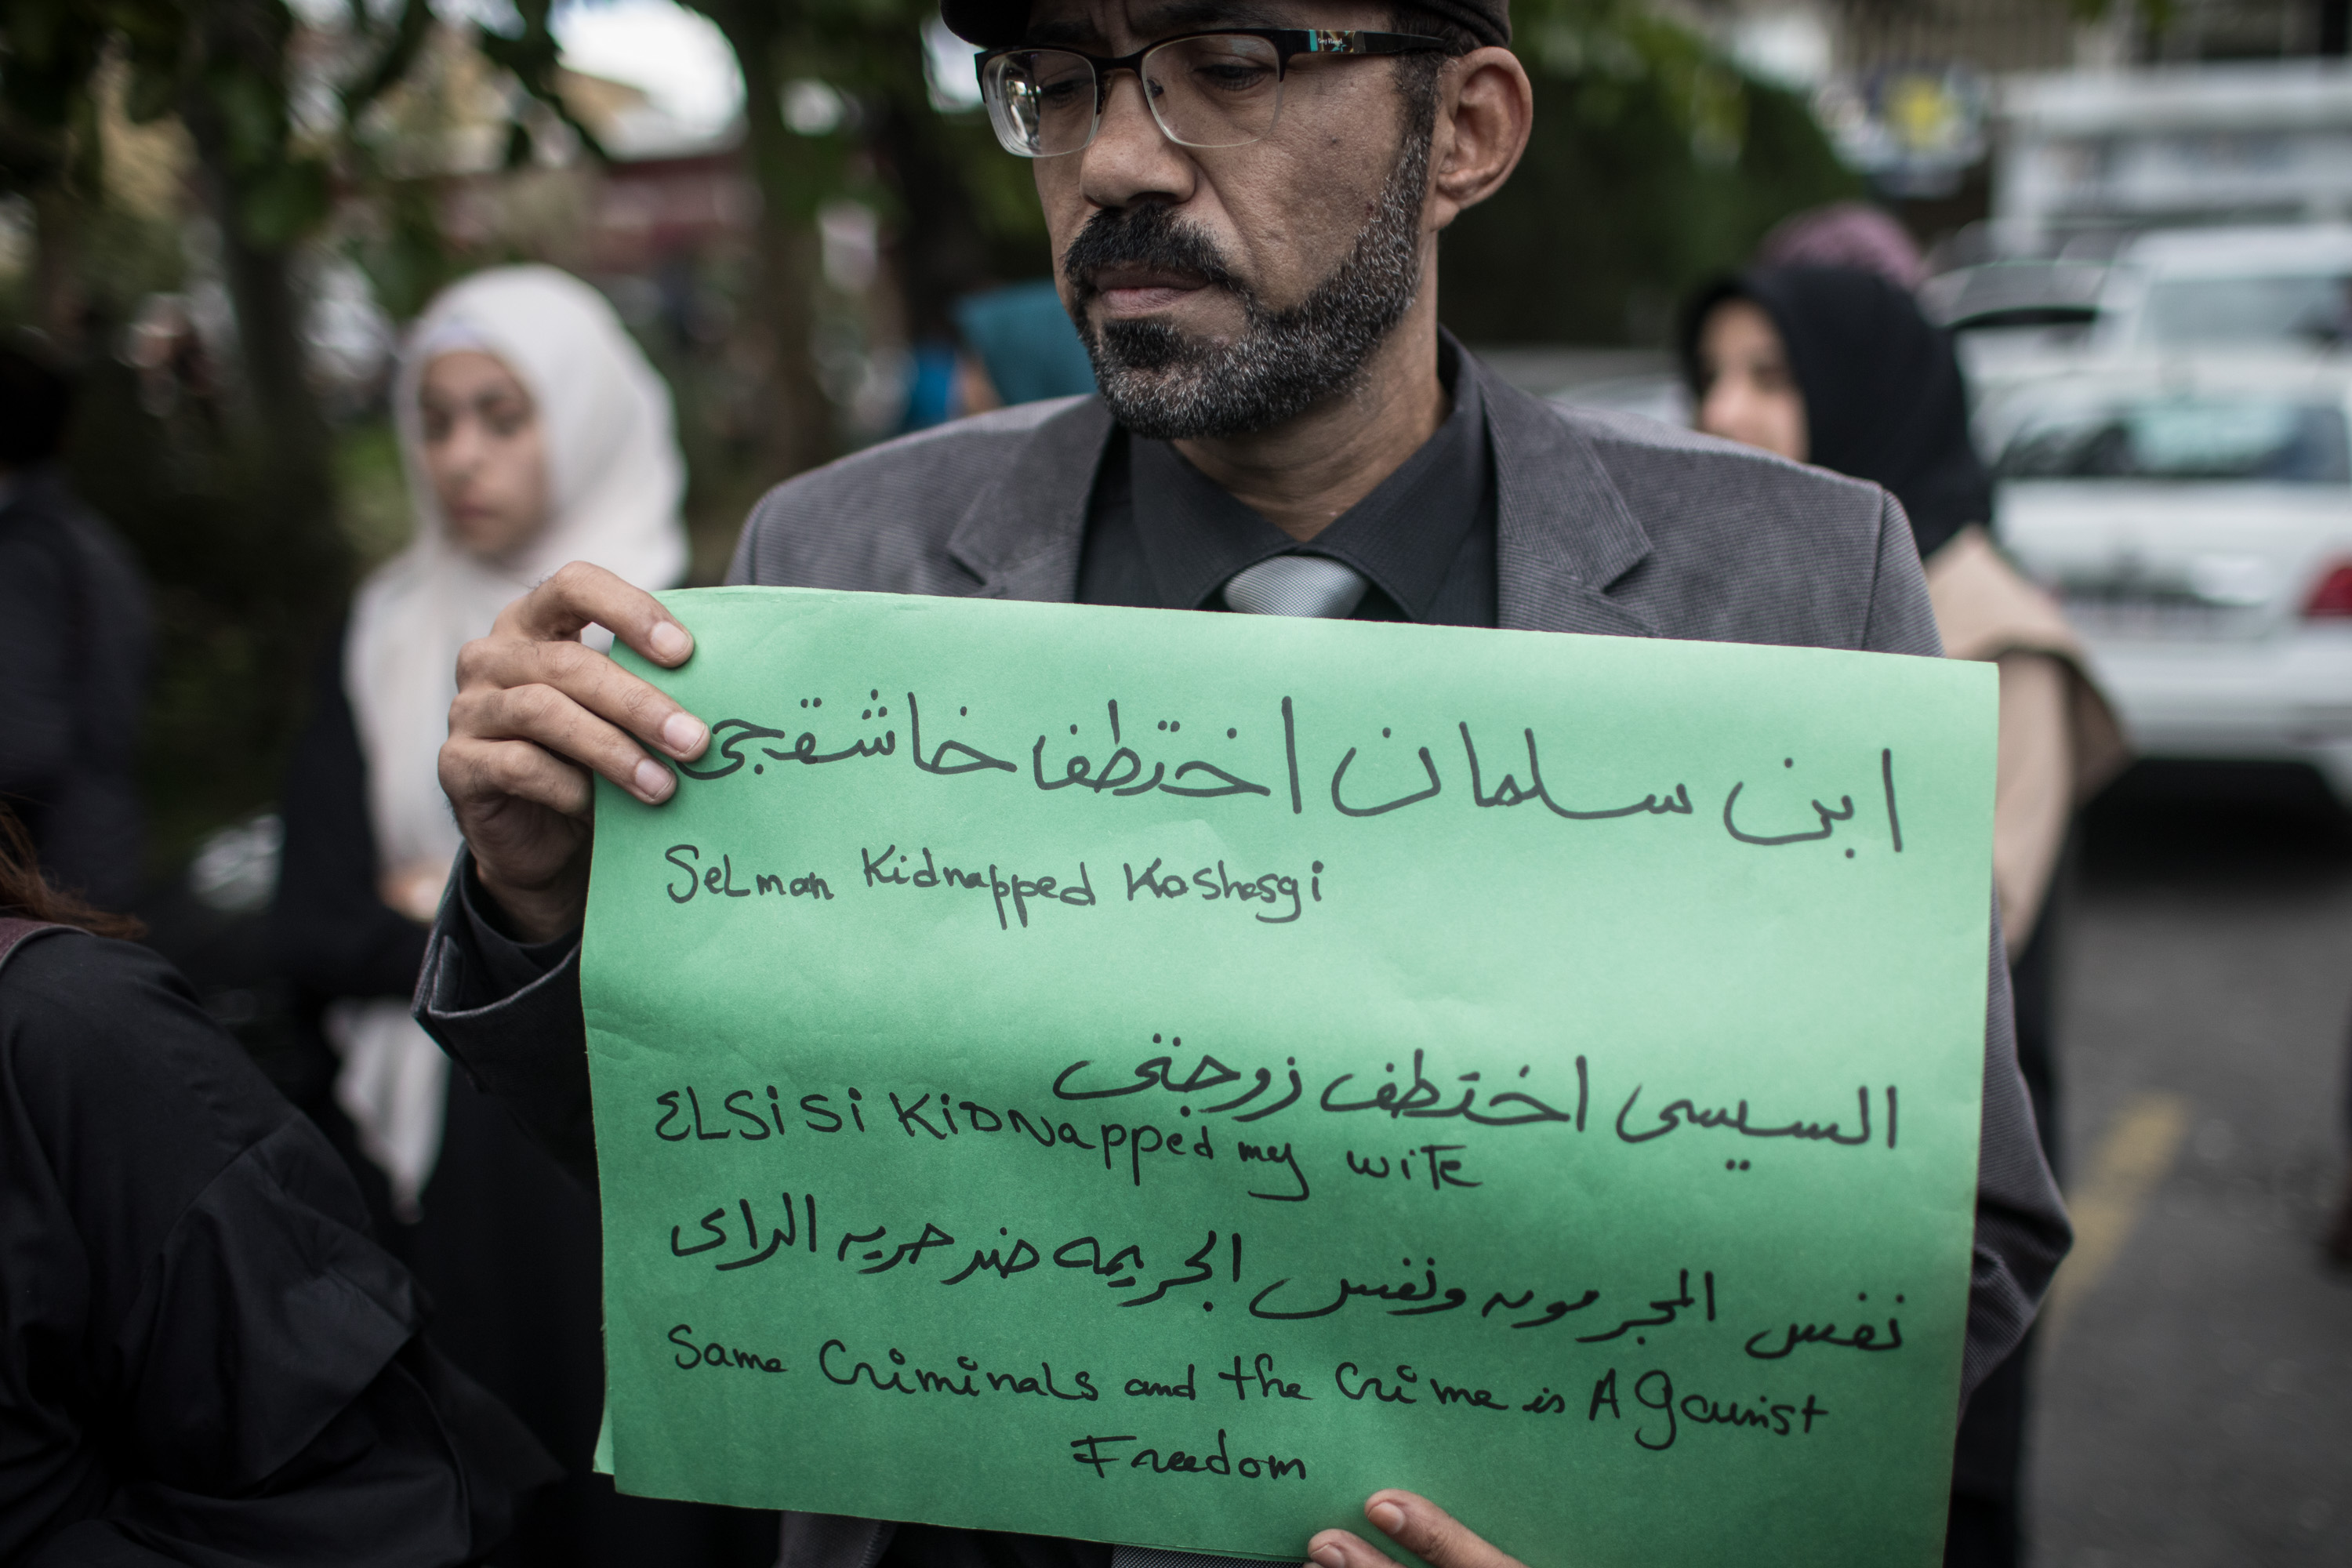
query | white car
[2288, 288]
[2197, 520]
[2285, 291]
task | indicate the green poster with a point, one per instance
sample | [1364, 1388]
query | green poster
[1158, 1078]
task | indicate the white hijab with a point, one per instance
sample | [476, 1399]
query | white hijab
[614, 482]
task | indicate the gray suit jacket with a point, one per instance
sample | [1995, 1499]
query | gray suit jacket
[1606, 523]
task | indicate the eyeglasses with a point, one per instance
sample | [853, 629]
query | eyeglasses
[1205, 89]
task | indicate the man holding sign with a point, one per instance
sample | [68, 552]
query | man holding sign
[1246, 204]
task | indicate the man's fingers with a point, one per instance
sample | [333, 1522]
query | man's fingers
[1339, 1548]
[1431, 1533]
[548, 717]
[473, 770]
[575, 676]
[578, 593]
[545, 717]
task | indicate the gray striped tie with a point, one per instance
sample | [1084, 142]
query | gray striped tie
[1313, 585]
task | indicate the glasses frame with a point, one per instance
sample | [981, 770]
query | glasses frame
[1289, 44]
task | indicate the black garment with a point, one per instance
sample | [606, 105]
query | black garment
[941, 1546]
[1986, 1527]
[333, 936]
[1884, 397]
[203, 1357]
[329, 935]
[510, 1249]
[73, 647]
[1160, 535]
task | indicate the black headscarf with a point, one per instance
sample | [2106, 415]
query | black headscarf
[1883, 398]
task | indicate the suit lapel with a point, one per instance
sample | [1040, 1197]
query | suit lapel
[1563, 532]
[1021, 534]
[1563, 535]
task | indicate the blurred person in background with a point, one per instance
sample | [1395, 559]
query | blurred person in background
[534, 431]
[203, 1357]
[1846, 234]
[1026, 348]
[1018, 345]
[1836, 366]
[73, 642]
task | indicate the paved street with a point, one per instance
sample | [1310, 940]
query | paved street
[2195, 1378]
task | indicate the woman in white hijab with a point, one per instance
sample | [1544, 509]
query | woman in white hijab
[534, 431]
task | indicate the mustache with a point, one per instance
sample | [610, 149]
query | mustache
[1144, 236]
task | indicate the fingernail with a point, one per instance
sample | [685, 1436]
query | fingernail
[1388, 1515]
[1329, 1557]
[681, 732]
[670, 641]
[653, 780]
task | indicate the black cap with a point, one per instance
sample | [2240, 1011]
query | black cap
[992, 23]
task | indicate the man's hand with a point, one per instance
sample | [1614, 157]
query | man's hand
[1418, 1525]
[536, 712]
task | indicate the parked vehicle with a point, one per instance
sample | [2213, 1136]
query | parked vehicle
[2197, 520]
[2281, 290]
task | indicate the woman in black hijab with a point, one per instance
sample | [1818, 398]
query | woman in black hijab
[1882, 394]
[203, 1356]
[1836, 366]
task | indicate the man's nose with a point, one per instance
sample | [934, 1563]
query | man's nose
[1130, 158]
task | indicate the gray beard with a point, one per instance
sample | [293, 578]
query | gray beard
[1166, 384]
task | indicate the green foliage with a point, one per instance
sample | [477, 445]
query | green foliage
[121, 259]
[1653, 165]
[396, 51]
[533, 57]
[1002, 191]
[407, 258]
[49, 51]
[213, 734]
[225, 486]
[377, 518]
[285, 200]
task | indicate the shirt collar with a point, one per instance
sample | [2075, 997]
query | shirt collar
[1403, 537]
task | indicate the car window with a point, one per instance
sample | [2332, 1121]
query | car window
[2312, 308]
[2271, 441]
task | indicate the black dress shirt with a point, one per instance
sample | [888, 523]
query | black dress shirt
[1161, 535]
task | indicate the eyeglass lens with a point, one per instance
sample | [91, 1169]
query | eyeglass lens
[1220, 91]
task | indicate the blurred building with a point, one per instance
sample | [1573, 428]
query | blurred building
[2086, 155]
[1956, 110]
[664, 190]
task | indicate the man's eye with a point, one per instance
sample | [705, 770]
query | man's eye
[1231, 75]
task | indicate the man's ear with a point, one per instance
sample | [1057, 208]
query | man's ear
[1485, 111]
